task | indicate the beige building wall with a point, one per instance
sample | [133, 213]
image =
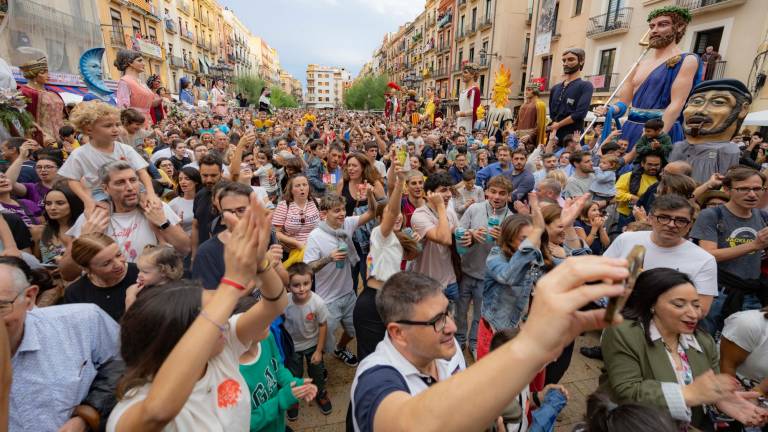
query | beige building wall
[508, 47]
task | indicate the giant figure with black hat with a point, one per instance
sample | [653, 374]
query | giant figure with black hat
[712, 116]
[658, 87]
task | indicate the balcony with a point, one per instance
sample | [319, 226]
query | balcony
[471, 29]
[441, 72]
[484, 63]
[176, 61]
[457, 67]
[605, 82]
[460, 34]
[170, 26]
[187, 36]
[716, 71]
[703, 6]
[183, 5]
[486, 23]
[443, 48]
[609, 23]
[117, 38]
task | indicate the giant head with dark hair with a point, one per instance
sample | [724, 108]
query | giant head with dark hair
[715, 110]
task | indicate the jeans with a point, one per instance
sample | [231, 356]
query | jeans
[452, 292]
[315, 371]
[470, 289]
[360, 269]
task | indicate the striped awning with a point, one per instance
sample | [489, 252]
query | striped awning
[82, 91]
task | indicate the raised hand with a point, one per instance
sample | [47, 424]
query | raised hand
[572, 209]
[436, 200]
[536, 215]
[247, 244]
[96, 221]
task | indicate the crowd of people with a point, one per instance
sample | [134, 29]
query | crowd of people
[181, 273]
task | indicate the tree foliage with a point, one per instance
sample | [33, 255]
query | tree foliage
[366, 93]
[251, 85]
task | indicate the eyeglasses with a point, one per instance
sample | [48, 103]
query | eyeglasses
[236, 211]
[665, 220]
[438, 323]
[6, 307]
[746, 190]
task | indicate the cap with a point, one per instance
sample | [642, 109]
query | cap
[727, 84]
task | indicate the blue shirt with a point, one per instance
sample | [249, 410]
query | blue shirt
[489, 172]
[572, 100]
[56, 362]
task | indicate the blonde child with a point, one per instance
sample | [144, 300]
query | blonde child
[603, 188]
[101, 123]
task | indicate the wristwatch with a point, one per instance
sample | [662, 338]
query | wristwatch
[165, 225]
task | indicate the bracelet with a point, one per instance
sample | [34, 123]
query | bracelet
[275, 298]
[232, 283]
[266, 266]
[222, 327]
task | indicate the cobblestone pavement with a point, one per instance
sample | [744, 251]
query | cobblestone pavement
[580, 380]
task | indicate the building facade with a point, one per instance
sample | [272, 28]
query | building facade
[325, 86]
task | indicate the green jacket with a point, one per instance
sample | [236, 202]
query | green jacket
[643, 144]
[634, 370]
[269, 383]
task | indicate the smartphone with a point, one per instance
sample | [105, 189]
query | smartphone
[635, 260]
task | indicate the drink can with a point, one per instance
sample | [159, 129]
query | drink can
[493, 222]
[458, 234]
[342, 248]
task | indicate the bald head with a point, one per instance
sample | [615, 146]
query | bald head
[679, 167]
[549, 189]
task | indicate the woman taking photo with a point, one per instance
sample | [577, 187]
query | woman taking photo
[107, 274]
[359, 172]
[658, 356]
[188, 185]
[182, 353]
[61, 209]
[296, 215]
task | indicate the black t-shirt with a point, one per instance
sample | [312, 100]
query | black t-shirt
[208, 266]
[19, 230]
[202, 208]
[111, 299]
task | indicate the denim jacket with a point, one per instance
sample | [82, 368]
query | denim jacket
[315, 171]
[508, 284]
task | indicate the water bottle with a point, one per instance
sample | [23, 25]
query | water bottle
[459, 233]
[493, 222]
[342, 248]
[409, 232]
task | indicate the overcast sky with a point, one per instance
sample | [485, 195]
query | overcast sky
[327, 32]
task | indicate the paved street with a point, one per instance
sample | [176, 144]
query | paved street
[581, 380]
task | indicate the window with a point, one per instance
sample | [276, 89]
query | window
[461, 58]
[170, 49]
[488, 11]
[458, 87]
[546, 67]
[461, 24]
[482, 84]
[578, 4]
[136, 25]
[471, 53]
[474, 18]
[522, 84]
[607, 58]
[117, 21]
[152, 33]
[173, 80]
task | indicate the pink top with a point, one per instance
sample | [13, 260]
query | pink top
[132, 93]
[290, 218]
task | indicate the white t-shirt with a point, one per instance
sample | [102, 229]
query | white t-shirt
[435, 259]
[385, 255]
[220, 400]
[381, 168]
[303, 321]
[85, 161]
[688, 258]
[167, 153]
[132, 230]
[749, 330]
[330, 282]
[183, 209]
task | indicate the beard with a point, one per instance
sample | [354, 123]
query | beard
[662, 41]
[571, 70]
[696, 131]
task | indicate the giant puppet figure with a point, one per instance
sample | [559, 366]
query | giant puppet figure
[46, 107]
[392, 105]
[712, 116]
[531, 120]
[92, 74]
[661, 83]
[499, 114]
[469, 100]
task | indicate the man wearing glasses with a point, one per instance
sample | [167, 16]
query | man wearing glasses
[736, 233]
[671, 218]
[65, 359]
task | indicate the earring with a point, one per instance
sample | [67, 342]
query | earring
[653, 311]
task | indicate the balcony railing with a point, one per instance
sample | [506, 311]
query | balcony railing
[715, 71]
[460, 34]
[609, 23]
[604, 82]
[441, 72]
[117, 38]
[484, 63]
[187, 35]
[471, 29]
[487, 22]
[697, 6]
[176, 61]
[457, 67]
[444, 48]
[170, 26]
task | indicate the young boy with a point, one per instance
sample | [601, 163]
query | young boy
[654, 138]
[306, 319]
[101, 123]
[603, 187]
[133, 131]
[331, 255]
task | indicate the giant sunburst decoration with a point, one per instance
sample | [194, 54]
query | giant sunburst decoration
[502, 87]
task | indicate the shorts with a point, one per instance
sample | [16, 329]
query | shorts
[340, 311]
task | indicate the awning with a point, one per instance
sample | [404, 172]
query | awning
[757, 118]
[81, 91]
[203, 66]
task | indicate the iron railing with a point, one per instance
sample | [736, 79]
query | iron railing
[610, 22]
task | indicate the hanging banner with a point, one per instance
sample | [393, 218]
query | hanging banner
[544, 27]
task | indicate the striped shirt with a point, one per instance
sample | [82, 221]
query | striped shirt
[295, 221]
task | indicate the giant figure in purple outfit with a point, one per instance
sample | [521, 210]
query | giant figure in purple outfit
[660, 85]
